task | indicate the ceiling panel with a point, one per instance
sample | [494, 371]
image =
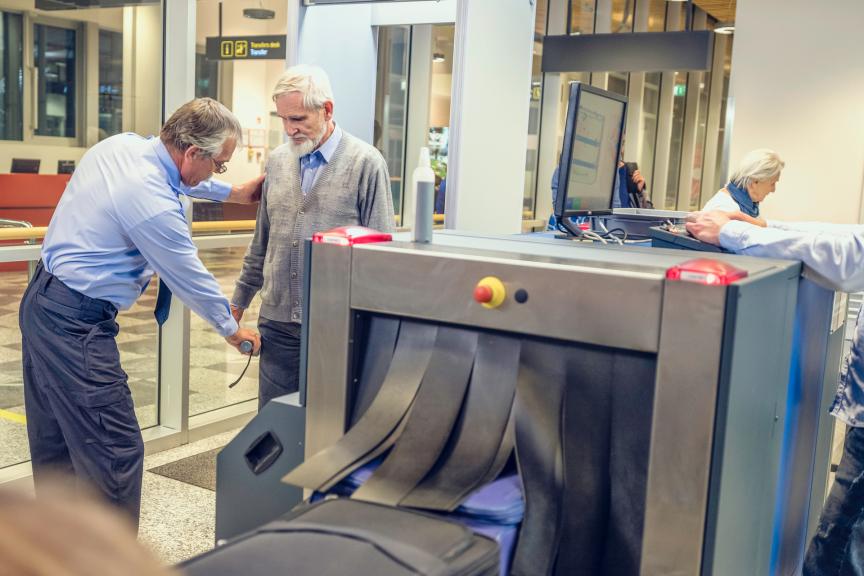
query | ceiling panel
[722, 10]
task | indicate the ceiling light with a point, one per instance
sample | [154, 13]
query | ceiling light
[437, 57]
[725, 28]
[259, 13]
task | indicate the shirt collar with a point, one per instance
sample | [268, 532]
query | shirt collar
[328, 148]
[170, 167]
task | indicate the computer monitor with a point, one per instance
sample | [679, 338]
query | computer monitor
[25, 165]
[589, 157]
[65, 166]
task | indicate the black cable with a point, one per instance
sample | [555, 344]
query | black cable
[246, 346]
[249, 361]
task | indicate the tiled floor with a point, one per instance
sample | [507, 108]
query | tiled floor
[178, 519]
[213, 364]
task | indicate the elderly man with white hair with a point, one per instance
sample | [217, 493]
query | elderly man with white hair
[755, 178]
[321, 178]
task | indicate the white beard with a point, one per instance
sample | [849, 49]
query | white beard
[308, 144]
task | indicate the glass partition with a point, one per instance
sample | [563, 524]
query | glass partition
[69, 78]
[391, 105]
[650, 108]
[213, 364]
[139, 349]
[110, 83]
[679, 104]
[55, 63]
[13, 430]
[581, 16]
[11, 76]
[242, 83]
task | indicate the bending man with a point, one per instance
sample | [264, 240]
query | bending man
[119, 220]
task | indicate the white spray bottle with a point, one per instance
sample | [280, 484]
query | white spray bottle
[423, 181]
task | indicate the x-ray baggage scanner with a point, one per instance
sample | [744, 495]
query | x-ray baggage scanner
[690, 372]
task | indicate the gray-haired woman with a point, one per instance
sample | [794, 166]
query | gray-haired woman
[755, 178]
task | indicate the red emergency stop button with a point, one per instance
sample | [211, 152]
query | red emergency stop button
[490, 292]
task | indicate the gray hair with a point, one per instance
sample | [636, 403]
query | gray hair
[311, 81]
[204, 123]
[757, 166]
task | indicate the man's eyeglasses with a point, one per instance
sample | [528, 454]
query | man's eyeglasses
[219, 167]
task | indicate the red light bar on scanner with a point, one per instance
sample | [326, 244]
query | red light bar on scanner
[350, 235]
[706, 271]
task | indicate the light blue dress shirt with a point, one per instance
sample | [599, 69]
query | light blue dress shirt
[310, 164]
[833, 256]
[120, 219]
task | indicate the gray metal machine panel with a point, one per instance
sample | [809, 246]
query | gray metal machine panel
[688, 365]
[329, 307]
[751, 409]
[244, 499]
[439, 285]
[656, 259]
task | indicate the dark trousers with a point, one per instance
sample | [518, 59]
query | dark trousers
[279, 363]
[80, 419]
[837, 547]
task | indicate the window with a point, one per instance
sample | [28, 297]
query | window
[206, 77]
[110, 83]
[581, 16]
[391, 104]
[54, 61]
[11, 77]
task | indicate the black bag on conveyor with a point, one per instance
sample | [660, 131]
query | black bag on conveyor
[340, 536]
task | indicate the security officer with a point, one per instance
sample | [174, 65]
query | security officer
[119, 220]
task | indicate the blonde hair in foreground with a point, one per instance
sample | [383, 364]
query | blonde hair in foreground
[63, 534]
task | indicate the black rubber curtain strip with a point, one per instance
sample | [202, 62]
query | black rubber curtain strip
[505, 450]
[410, 360]
[633, 376]
[381, 335]
[480, 430]
[586, 433]
[538, 406]
[431, 420]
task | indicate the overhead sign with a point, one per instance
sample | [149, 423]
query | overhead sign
[246, 47]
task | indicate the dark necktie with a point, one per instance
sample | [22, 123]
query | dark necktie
[163, 303]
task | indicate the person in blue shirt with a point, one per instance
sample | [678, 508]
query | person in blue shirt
[832, 255]
[120, 220]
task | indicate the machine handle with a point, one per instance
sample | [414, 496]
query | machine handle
[263, 452]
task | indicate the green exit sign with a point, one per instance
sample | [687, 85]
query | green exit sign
[680, 89]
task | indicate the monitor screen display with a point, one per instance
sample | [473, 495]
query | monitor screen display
[25, 165]
[589, 158]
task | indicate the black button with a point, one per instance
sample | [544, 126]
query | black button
[521, 296]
